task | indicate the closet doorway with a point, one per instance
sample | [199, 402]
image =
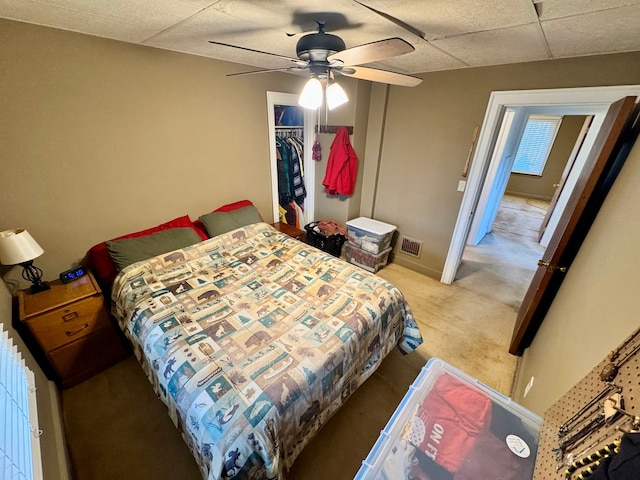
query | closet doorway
[291, 134]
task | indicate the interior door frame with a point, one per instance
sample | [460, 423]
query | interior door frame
[290, 99]
[596, 97]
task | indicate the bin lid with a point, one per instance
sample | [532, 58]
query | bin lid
[447, 424]
[371, 225]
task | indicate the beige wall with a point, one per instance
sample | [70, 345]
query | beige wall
[428, 131]
[598, 303]
[532, 186]
[52, 442]
[101, 138]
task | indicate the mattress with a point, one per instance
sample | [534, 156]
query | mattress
[254, 340]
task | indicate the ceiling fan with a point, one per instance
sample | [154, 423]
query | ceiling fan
[325, 55]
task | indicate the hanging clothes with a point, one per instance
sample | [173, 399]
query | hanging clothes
[342, 165]
[291, 188]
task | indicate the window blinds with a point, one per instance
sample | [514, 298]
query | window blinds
[535, 144]
[19, 443]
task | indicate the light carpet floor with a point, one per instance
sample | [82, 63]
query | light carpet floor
[117, 429]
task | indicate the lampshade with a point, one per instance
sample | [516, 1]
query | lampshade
[336, 96]
[18, 246]
[311, 96]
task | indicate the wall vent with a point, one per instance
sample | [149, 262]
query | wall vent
[411, 246]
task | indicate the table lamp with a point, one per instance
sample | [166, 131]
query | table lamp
[17, 247]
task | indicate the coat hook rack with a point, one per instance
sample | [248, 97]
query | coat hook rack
[333, 129]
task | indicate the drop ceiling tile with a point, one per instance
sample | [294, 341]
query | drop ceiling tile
[550, 9]
[508, 45]
[76, 21]
[193, 35]
[220, 24]
[293, 16]
[347, 19]
[444, 18]
[606, 31]
[155, 13]
[473, 32]
[426, 58]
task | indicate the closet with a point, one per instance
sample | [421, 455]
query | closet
[292, 170]
[290, 162]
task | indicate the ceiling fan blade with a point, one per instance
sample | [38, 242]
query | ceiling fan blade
[267, 70]
[395, 21]
[381, 76]
[372, 52]
[295, 60]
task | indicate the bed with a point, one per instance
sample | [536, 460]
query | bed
[254, 340]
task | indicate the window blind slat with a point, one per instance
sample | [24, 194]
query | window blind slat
[19, 446]
[535, 145]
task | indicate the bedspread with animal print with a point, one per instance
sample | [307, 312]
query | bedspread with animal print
[254, 340]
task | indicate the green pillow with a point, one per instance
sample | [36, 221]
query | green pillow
[131, 250]
[218, 223]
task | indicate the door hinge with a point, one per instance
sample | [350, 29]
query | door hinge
[550, 266]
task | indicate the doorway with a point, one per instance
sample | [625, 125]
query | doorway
[485, 168]
[501, 266]
[294, 126]
[502, 255]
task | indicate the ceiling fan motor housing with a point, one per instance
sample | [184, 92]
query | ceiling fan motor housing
[316, 47]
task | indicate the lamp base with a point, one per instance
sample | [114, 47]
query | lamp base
[39, 287]
[34, 275]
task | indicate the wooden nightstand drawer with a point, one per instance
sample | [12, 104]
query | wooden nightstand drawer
[65, 325]
[71, 329]
[83, 358]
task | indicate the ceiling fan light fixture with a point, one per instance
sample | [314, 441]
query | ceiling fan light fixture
[311, 96]
[336, 96]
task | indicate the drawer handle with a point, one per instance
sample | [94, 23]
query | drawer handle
[75, 332]
[69, 316]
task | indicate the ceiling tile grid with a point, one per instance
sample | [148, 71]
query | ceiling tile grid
[445, 18]
[524, 43]
[604, 31]
[551, 9]
[446, 34]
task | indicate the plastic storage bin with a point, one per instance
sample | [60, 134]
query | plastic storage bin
[370, 235]
[449, 425]
[327, 243]
[367, 260]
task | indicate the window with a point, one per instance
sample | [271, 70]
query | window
[19, 442]
[535, 144]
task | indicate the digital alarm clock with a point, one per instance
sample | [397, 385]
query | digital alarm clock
[72, 274]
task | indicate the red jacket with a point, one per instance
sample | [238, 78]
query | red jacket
[342, 165]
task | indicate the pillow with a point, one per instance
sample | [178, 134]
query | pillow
[218, 223]
[234, 206]
[103, 266]
[198, 225]
[131, 250]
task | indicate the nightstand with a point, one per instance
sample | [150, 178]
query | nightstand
[290, 230]
[72, 327]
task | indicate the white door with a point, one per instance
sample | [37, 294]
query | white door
[498, 175]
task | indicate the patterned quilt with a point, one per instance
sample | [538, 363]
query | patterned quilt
[254, 340]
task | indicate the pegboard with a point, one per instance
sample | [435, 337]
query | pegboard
[579, 396]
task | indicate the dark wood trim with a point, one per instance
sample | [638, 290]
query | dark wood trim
[610, 150]
[333, 129]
